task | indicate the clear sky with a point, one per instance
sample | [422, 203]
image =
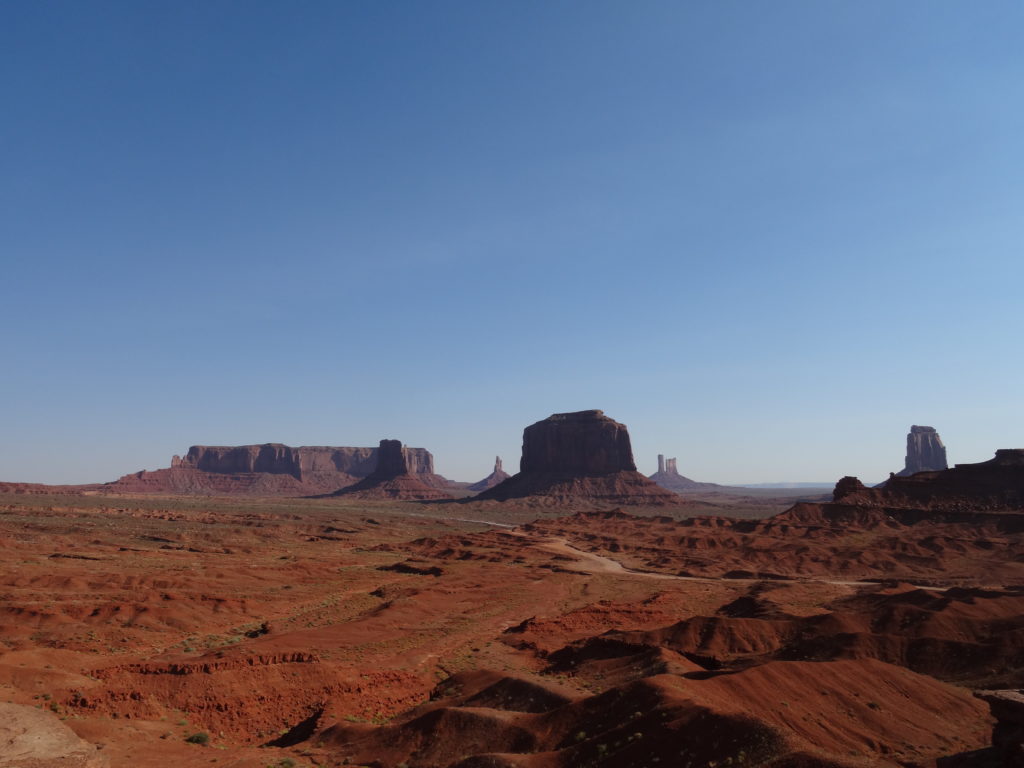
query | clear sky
[768, 237]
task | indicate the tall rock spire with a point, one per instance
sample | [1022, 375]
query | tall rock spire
[925, 451]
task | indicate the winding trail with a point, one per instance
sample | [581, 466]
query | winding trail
[592, 563]
[601, 564]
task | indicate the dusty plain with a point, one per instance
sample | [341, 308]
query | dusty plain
[326, 632]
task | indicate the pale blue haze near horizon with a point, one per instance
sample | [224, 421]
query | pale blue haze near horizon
[768, 237]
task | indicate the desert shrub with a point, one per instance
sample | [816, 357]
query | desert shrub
[201, 738]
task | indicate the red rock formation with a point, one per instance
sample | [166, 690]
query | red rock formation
[1008, 735]
[395, 477]
[668, 477]
[989, 485]
[275, 458]
[580, 443]
[925, 451]
[499, 475]
[271, 469]
[846, 486]
[579, 456]
[776, 714]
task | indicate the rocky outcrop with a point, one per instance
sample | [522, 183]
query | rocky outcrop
[579, 456]
[33, 738]
[996, 484]
[499, 475]
[1008, 736]
[668, 477]
[925, 452]
[398, 476]
[847, 486]
[270, 469]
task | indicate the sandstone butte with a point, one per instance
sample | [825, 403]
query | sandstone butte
[925, 452]
[580, 455]
[401, 473]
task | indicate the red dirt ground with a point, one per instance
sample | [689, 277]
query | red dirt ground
[347, 632]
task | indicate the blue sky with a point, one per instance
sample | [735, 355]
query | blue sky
[768, 237]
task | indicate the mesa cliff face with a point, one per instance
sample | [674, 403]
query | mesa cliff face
[580, 443]
[270, 469]
[278, 459]
[925, 451]
[396, 476]
[580, 456]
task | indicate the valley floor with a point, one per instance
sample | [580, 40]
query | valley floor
[247, 633]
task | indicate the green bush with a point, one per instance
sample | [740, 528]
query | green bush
[202, 738]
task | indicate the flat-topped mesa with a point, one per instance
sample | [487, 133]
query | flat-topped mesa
[499, 475]
[996, 484]
[580, 443]
[278, 459]
[580, 456]
[668, 477]
[925, 452]
[399, 475]
[271, 469]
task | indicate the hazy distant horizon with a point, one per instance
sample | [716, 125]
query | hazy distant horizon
[768, 238]
[645, 464]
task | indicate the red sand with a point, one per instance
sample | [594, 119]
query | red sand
[386, 633]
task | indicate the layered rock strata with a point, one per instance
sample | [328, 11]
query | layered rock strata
[270, 469]
[996, 484]
[925, 452]
[396, 476]
[581, 456]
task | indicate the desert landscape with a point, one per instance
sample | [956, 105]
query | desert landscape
[482, 384]
[573, 614]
